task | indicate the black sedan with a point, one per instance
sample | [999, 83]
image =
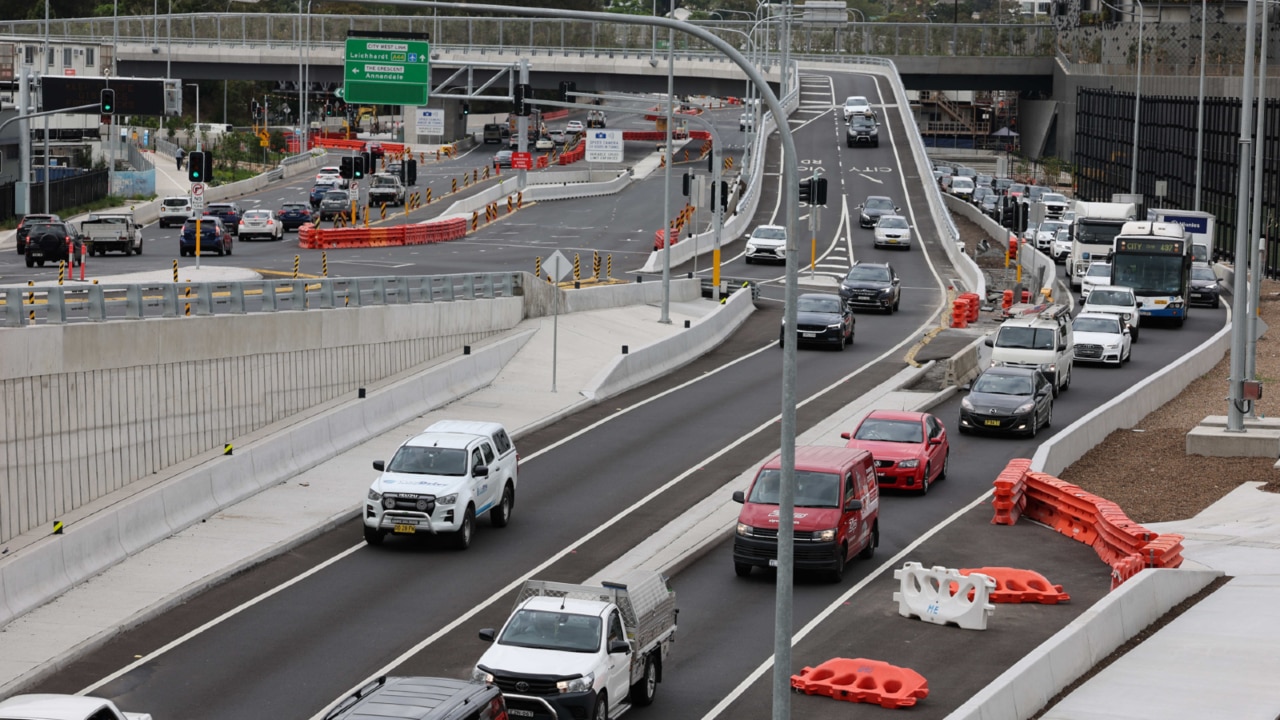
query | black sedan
[1011, 400]
[229, 213]
[294, 215]
[1205, 288]
[872, 285]
[870, 211]
[821, 318]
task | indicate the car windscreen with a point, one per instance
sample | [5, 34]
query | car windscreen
[880, 274]
[894, 223]
[996, 384]
[901, 431]
[813, 489]
[879, 204]
[257, 215]
[1110, 297]
[419, 460]
[341, 196]
[1204, 274]
[1097, 325]
[770, 233]
[1098, 270]
[175, 202]
[548, 630]
[818, 305]
[1025, 338]
[1053, 197]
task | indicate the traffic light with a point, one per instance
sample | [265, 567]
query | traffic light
[466, 109]
[820, 191]
[720, 195]
[522, 94]
[344, 168]
[410, 170]
[567, 87]
[806, 191]
[357, 167]
[688, 182]
[195, 167]
[107, 102]
[370, 167]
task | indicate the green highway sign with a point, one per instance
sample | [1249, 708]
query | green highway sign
[386, 72]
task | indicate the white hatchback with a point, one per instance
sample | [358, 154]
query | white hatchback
[174, 210]
[854, 105]
[1101, 337]
[1116, 300]
[1097, 275]
[260, 224]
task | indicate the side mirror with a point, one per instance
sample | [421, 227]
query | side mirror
[934, 441]
[966, 387]
[989, 342]
[487, 634]
[853, 505]
[619, 647]
[1062, 346]
[739, 497]
[379, 465]
[480, 471]
[896, 208]
[1140, 302]
[846, 435]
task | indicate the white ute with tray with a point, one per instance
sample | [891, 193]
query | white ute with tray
[439, 481]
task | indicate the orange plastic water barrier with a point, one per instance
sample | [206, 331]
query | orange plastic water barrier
[1014, 585]
[862, 680]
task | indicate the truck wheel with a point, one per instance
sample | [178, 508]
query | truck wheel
[642, 692]
[837, 573]
[602, 708]
[869, 551]
[462, 538]
[374, 536]
[128, 250]
[30, 262]
[138, 250]
[741, 569]
[500, 515]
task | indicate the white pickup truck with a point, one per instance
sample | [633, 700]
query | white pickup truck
[582, 651]
[385, 188]
[117, 232]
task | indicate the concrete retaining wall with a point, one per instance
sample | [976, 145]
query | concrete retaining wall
[539, 297]
[102, 405]
[641, 365]
[1027, 687]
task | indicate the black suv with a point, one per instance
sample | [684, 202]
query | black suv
[52, 242]
[422, 698]
[24, 225]
[863, 130]
[228, 213]
[872, 285]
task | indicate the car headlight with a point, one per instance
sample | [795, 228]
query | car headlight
[481, 676]
[887, 291]
[1113, 346]
[966, 405]
[581, 684]
[447, 499]
[374, 495]
[824, 535]
[751, 248]
[1127, 316]
[745, 530]
[835, 326]
[1025, 408]
[865, 217]
[912, 463]
[1049, 367]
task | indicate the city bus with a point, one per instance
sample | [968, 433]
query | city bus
[1154, 258]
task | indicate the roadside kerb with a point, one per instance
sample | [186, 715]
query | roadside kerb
[641, 365]
[574, 189]
[1027, 687]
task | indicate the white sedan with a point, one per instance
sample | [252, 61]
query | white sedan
[260, 224]
[893, 231]
[573, 126]
[544, 144]
[1102, 338]
[1099, 273]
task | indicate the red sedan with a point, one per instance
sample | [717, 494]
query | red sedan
[910, 448]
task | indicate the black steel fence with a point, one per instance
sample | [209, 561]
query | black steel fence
[1167, 151]
[65, 193]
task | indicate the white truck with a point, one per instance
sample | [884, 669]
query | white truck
[1198, 225]
[1038, 336]
[440, 480]
[1093, 234]
[582, 651]
[117, 232]
[386, 188]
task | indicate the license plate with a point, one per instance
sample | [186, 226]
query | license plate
[993, 423]
[804, 334]
[892, 241]
[405, 528]
[773, 562]
[519, 713]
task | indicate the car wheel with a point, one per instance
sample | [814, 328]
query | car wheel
[897, 301]
[462, 538]
[946, 465]
[138, 250]
[374, 536]
[1048, 418]
[1216, 303]
[837, 572]
[40, 263]
[741, 569]
[221, 251]
[500, 515]
[643, 692]
[873, 542]
[1133, 334]
[229, 248]
[747, 259]
[924, 481]
[128, 250]
[1127, 356]
[31, 262]
[602, 708]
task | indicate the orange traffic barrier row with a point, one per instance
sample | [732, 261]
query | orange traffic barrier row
[313, 238]
[555, 114]
[338, 144]
[700, 134]
[1018, 586]
[1097, 522]
[572, 156]
[862, 680]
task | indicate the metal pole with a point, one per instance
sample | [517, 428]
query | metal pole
[1137, 101]
[47, 64]
[785, 42]
[1255, 235]
[302, 98]
[666, 179]
[306, 98]
[719, 198]
[522, 127]
[22, 194]
[1240, 293]
[1204, 8]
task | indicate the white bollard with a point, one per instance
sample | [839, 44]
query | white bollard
[927, 595]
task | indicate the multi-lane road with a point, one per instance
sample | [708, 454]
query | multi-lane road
[353, 611]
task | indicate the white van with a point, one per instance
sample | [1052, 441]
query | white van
[1041, 340]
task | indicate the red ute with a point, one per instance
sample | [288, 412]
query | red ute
[910, 448]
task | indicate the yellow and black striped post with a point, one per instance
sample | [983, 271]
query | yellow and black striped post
[475, 175]
[366, 215]
[537, 266]
[297, 260]
[577, 268]
[510, 204]
[186, 294]
[728, 163]
[520, 200]
[608, 266]
[383, 212]
[475, 221]
[686, 156]
[228, 449]
[662, 161]
[175, 271]
[455, 184]
[595, 264]
[324, 262]
[62, 271]
[428, 196]
[57, 527]
[31, 300]
[486, 172]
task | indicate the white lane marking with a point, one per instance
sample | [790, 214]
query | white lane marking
[874, 180]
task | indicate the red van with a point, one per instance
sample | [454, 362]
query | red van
[837, 511]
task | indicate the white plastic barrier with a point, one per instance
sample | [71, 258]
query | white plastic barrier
[927, 595]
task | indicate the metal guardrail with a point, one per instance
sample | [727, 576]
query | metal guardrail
[57, 305]
[542, 36]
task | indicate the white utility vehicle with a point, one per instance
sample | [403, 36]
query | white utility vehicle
[63, 707]
[441, 480]
[582, 651]
[1038, 337]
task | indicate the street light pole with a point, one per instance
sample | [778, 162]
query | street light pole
[48, 63]
[199, 145]
[1204, 9]
[1240, 292]
[1256, 234]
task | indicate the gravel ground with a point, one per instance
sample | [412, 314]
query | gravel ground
[1145, 470]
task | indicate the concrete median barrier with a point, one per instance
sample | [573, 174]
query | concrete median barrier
[39, 578]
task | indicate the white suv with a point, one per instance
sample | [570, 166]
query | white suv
[767, 242]
[1117, 300]
[441, 480]
[174, 210]
[1097, 275]
[856, 105]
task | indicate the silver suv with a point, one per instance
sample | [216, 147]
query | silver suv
[767, 242]
[422, 698]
